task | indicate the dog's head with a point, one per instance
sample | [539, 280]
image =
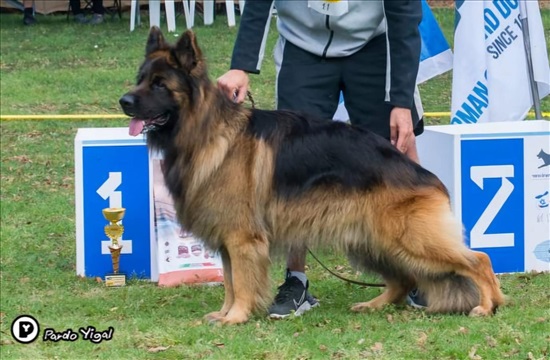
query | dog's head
[167, 81]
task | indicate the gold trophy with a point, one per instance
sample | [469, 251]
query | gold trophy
[114, 232]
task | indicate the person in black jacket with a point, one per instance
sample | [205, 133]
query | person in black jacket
[367, 50]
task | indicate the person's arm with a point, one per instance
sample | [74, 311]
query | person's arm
[250, 44]
[402, 19]
[248, 50]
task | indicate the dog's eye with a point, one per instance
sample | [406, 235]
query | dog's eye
[158, 84]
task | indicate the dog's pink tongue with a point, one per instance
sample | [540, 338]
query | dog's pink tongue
[136, 127]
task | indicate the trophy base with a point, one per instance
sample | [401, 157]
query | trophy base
[115, 280]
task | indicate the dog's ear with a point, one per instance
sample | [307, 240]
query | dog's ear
[188, 53]
[155, 41]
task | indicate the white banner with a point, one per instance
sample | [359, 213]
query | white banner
[490, 75]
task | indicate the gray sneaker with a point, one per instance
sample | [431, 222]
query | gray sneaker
[81, 19]
[29, 20]
[312, 300]
[97, 19]
[416, 300]
[292, 298]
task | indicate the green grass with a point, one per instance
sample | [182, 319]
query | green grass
[55, 68]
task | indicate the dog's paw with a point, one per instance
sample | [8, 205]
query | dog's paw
[214, 317]
[480, 311]
[234, 319]
[363, 307]
[231, 318]
[237, 315]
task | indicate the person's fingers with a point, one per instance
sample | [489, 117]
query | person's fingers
[412, 152]
[234, 85]
[223, 86]
[403, 141]
[241, 94]
[393, 133]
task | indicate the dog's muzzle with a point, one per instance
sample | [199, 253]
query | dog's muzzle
[127, 103]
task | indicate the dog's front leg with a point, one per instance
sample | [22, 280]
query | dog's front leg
[228, 285]
[249, 256]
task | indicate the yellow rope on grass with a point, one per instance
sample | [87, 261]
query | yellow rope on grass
[62, 117]
[121, 116]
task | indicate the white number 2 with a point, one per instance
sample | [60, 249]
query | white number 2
[478, 238]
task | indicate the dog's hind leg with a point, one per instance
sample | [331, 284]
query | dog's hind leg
[249, 256]
[456, 258]
[496, 298]
[394, 292]
[431, 245]
[228, 285]
[481, 273]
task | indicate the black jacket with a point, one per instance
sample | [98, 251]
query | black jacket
[338, 36]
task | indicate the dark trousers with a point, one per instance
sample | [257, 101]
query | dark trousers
[97, 7]
[310, 83]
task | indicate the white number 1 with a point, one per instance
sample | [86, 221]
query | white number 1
[478, 238]
[108, 189]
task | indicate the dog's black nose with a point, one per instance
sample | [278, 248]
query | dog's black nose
[127, 103]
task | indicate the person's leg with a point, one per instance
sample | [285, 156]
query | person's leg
[28, 12]
[77, 12]
[99, 12]
[305, 83]
[75, 7]
[97, 7]
[296, 260]
[364, 82]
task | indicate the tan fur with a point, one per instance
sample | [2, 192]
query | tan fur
[416, 229]
[229, 202]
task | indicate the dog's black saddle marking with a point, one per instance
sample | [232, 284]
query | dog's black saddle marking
[314, 152]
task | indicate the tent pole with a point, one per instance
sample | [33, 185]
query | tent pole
[527, 46]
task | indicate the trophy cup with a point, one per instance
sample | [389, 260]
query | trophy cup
[114, 232]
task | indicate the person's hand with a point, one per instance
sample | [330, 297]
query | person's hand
[401, 128]
[234, 84]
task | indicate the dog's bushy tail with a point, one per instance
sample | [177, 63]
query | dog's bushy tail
[450, 294]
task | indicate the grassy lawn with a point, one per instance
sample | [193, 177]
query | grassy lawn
[58, 67]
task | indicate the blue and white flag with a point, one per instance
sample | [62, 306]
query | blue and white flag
[436, 57]
[490, 76]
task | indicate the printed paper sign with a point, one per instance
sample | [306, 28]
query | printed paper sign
[329, 7]
[182, 258]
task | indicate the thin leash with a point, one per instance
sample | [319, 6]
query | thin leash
[249, 96]
[360, 283]
[251, 99]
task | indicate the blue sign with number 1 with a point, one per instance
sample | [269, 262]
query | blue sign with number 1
[117, 176]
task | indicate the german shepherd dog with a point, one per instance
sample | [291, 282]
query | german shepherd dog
[249, 182]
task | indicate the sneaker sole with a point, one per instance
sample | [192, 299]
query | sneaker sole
[411, 303]
[306, 306]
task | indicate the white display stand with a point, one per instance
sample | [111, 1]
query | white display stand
[498, 176]
[113, 169]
